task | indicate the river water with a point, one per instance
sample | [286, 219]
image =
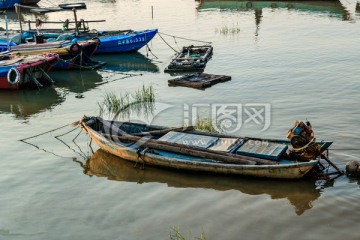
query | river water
[298, 61]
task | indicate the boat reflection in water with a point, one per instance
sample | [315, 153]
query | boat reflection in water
[127, 62]
[76, 81]
[301, 194]
[329, 8]
[23, 104]
[118, 67]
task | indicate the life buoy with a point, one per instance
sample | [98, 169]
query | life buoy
[13, 76]
[75, 49]
[97, 40]
[249, 5]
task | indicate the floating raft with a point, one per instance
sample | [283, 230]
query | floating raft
[199, 80]
[190, 59]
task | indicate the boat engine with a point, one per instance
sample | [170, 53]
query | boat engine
[302, 139]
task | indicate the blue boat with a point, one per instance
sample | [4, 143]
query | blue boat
[5, 4]
[110, 41]
[119, 42]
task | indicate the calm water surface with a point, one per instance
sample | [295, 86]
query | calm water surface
[302, 60]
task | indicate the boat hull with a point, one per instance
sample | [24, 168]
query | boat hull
[125, 43]
[8, 4]
[29, 66]
[29, 2]
[178, 162]
[69, 58]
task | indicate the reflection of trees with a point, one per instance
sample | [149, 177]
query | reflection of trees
[301, 194]
[258, 17]
[329, 7]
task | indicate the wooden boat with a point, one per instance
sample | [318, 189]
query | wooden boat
[121, 41]
[71, 55]
[187, 149]
[6, 4]
[118, 41]
[191, 59]
[19, 72]
[71, 6]
[29, 2]
[40, 10]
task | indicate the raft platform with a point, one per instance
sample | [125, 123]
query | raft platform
[199, 80]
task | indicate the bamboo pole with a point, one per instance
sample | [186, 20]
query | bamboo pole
[18, 12]
[76, 22]
[7, 33]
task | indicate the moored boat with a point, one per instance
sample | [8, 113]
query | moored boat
[29, 2]
[71, 55]
[118, 41]
[190, 59]
[6, 4]
[191, 150]
[121, 41]
[19, 72]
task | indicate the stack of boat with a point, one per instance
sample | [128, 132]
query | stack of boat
[66, 49]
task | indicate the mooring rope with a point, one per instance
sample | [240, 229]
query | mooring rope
[166, 42]
[148, 48]
[52, 4]
[116, 79]
[53, 130]
[183, 38]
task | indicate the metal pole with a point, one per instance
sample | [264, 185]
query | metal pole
[18, 12]
[7, 33]
[76, 23]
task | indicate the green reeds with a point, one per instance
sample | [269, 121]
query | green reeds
[142, 101]
[206, 124]
[176, 235]
[228, 30]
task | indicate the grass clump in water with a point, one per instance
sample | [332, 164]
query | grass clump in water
[228, 30]
[176, 235]
[206, 124]
[142, 101]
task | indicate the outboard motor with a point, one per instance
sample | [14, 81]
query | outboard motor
[302, 138]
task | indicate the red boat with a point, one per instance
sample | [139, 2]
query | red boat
[26, 71]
